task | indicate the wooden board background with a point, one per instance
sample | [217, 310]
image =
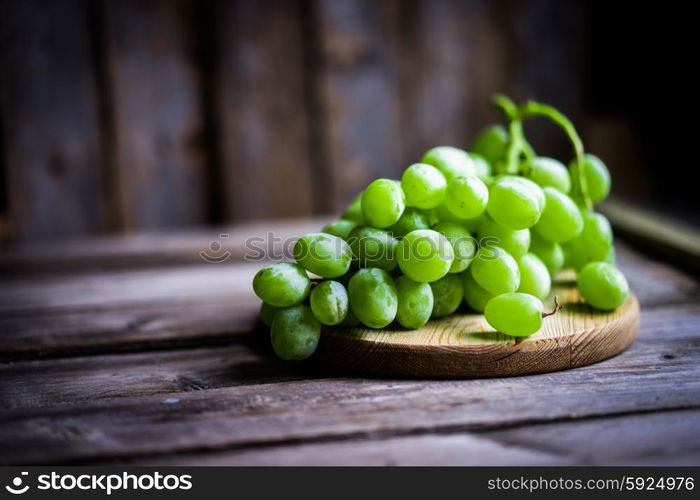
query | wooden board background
[121, 116]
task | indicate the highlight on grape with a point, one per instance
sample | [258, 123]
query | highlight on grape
[484, 229]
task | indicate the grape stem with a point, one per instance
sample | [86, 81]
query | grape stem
[557, 307]
[517, 144]
[532, 108]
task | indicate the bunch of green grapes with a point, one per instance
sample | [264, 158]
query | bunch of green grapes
[488, 227]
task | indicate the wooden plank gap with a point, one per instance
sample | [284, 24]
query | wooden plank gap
[111, 187]
[318, 152]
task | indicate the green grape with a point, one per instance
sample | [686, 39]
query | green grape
[345, 278]
[548, 172]
[574, 255]
[383, 203]
[611, 258]
[566, 249]
[463, 245]
[515, 243]
[516, 314]
[602, 285]
[350, 320]
[595, 243]
[373, 297]
[410, 220]
[424, 186]
[496, 270]
[473, 225]
[596, 237]
[577, 257]
[354, 211]
[425, 255]
[561, 219]
[447, 295]
[597, 177]
[466, 197]
[536, 190]
[432, 215]
[340, 228]
[474, 295]
[268, 312]
[295, 333]
[442, 214]
[491, 143]
[551, 254]
[534, 276]
[282, 285]
[329, 302]
[482, 166]
[515, 202]
[323, 254]
[452, 162]
[373, 247]
[489, 181]
[415, 302]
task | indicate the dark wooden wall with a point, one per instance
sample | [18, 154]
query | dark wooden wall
[132, 115]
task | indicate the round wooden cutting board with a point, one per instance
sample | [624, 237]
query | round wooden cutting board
[464, 345]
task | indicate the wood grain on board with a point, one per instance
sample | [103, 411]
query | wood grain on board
[257, 241]
[465, 345]
[443, 46]
[262, 112]
[356, 87]
[341, 408]
[246, 358]
[50, 121]
[619, 440]
[155, 88]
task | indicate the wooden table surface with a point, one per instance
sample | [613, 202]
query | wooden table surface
[135, 350]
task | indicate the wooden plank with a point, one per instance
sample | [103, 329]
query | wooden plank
[145, 327]
[655, 284]
[430, 450]
[232, 243]
[653, 281]
[664, 438]
[434, 75]
[443, 45]
[123, 290]
[615, 138]
[357, 89]
[105, 310]
[48, 106]
[263, 121]
[659, 234]
[252, 415]
[665, 334]
[547, 65]
[68, 381]
[549, 60]
[643, 379]
[156, 91]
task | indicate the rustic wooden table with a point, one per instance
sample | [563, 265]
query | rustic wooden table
[134, 350]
